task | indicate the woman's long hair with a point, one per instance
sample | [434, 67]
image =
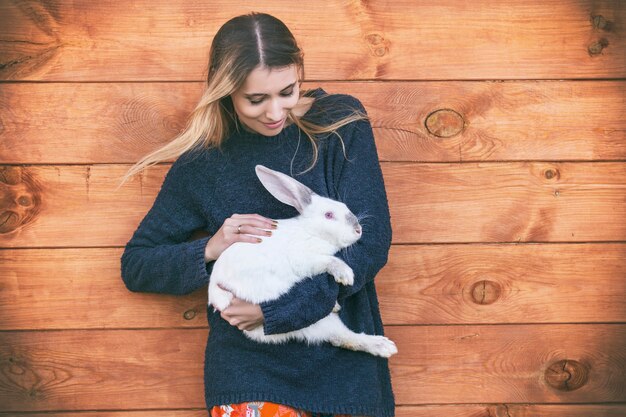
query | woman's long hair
[240, 45]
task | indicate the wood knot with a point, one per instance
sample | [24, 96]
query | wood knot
[444, 123]
[566, 375]
[378, 45]
[20, 198]
[599, 22]
[485, 292]
[551, 173]
[189, 314]
[14, 366]
[10, 175]
[144, 121]
[374, 39]
[597, 47]
[380, 51]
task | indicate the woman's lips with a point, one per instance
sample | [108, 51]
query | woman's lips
[274, 125]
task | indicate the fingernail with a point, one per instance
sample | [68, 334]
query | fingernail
[275, 221]
[274, 226]
[259, 240]
[269, 233]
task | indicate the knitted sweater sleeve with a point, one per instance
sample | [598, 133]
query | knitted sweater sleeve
[361, 187]
[158, 258]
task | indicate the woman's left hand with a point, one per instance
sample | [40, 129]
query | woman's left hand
[243, 315]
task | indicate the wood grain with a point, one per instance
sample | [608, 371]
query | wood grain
[107, 370]
[496, 410]
[61, 123]
[516, 39]
[55, 206]
[150, 413]
[506, 202]
[421, 284]
[158, 369]
[501, 131]
[503, 283]
[505, 364]
[511, 410]
[82, 289]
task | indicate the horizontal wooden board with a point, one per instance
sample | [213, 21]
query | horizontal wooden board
[157, 369]
[80, 206]
[507, 363]
[63, 123]
[496, 410]
[511, 410]
[82, 289]
[109, 370]
[504, 283]
[150, 413]
[165, 40]
[421, 284]
[507, 202]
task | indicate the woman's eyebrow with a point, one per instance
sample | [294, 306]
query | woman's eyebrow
[262, 94]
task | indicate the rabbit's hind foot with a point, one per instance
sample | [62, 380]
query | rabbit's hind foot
[375, 345]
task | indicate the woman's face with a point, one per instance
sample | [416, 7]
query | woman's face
[265, 98]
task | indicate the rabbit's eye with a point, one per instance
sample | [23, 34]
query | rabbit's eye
[329, 215]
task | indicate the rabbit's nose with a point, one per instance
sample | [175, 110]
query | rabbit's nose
[357, 229]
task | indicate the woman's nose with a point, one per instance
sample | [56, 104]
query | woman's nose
[274, 112]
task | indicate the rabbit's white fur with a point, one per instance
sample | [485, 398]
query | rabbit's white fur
[300, 247]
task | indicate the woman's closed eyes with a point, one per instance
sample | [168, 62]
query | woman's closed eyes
[282, 94]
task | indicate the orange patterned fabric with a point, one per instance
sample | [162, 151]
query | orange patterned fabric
[257, 409]
[260, 409]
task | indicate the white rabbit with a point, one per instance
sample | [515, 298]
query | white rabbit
[300, 247]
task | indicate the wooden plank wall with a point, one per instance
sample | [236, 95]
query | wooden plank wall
[501, 132]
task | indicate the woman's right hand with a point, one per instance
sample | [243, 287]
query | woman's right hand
[238, 228]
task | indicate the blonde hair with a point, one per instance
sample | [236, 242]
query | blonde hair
[242, 44]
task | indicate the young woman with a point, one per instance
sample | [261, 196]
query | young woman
[254, 112]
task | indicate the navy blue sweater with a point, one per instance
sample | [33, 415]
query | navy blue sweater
[202, 189]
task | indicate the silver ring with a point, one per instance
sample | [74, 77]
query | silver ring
[239, 229]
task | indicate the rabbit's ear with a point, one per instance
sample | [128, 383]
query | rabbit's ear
[284, 188]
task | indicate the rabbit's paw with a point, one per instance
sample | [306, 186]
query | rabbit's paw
[341, 271]
[382, 346]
